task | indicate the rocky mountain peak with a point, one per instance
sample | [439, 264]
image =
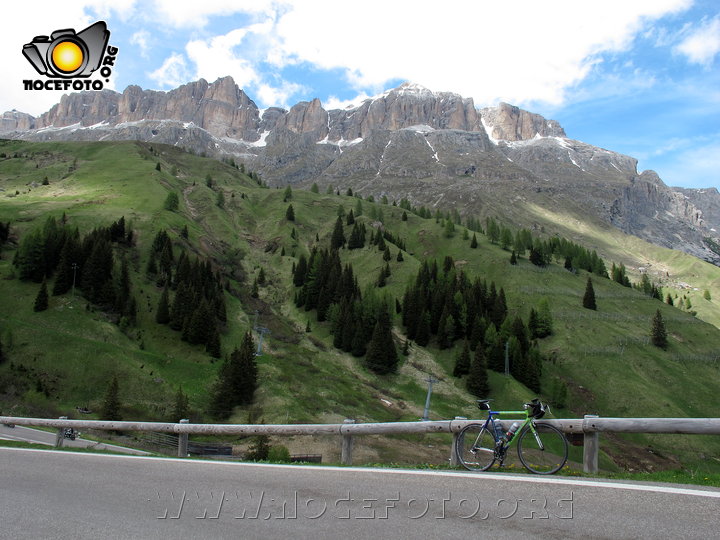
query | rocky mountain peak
[510, 123]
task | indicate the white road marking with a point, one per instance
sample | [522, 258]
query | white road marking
[534, 479]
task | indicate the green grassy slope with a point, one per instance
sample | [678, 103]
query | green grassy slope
[63, 358]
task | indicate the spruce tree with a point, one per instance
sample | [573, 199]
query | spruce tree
[261, 277]
[513, 258]
[658, 334]
[172, 202]
[237, 380]
[41, 300]
[181, 407]
[212, 347]
[290, 213]
[381, 356]
[338, 236]
[111, 403]
[386, 254]
[474, 242]
[400, 256]
[477, 381]
[462, 362]
[162, 315]
[589, 297]
[422, 334]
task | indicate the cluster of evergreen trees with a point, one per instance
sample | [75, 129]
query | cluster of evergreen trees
[88, 262]
[198, 308]
[360, 324]
[443, 303]
[237, 380]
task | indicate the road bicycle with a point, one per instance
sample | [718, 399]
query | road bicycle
[542, 448]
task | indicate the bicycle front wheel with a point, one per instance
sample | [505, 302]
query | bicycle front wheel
[475, 448]
[543, 450]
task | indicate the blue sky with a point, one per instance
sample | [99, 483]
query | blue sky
[641, 77]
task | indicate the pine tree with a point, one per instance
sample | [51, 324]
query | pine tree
[350, 218]
[212, 347]
[589, 297]
[404, 216]
[290, 213]
[474, 242]
[314, 188]
[477, 381]
[288, 194]
[462, 362]
[386, 254]
[381, 356]
[254, 292]
[181, 407]
[41, 300]
[162, 315]
[422, 334]
[513, 258]
[669, 300]
[172, 202]
[658, 334]
[261, 277]
[400, 256]
[338, 236]
[111, 404]
[237, 380]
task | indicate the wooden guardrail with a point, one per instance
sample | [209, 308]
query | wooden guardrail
[590, 426]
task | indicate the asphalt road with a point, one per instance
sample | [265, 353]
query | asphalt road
[38, 436]
[49, 494]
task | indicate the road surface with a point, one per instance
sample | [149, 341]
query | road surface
[38, 436]
[50, 494]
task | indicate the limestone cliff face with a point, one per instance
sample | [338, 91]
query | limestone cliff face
[16, 121]
[224, 110]
[405, 106]
[509, 123]
[220, 108]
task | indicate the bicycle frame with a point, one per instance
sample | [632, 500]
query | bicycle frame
[490, 425]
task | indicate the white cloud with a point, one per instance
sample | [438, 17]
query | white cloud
[172, 73]
[196, 13]
[141, 38]
[219, 56]
[335, 103]
[279, 96]
[703, 43]
[512, 50]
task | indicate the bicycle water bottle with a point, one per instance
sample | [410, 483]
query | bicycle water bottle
[511, 432]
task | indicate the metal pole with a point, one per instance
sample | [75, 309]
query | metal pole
[74, 267]
[430, 382]
[507, 358]
[183, 441]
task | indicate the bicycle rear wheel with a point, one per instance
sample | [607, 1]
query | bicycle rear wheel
[543, 451]
[475, 448]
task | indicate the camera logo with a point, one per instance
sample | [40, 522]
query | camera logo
[69, 56]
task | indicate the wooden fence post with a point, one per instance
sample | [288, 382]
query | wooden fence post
[347, 446]
[183, 441]
[60, 437]
[453, 452]
[591, 447]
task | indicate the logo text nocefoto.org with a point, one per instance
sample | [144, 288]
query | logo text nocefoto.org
[68, 58]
